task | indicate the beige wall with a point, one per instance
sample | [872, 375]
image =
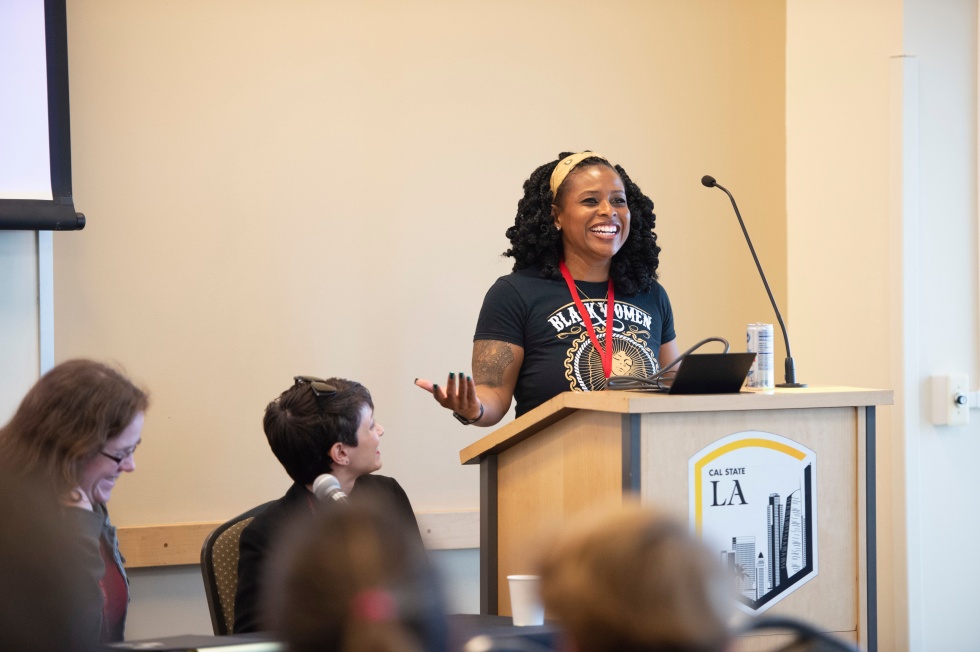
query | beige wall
[276, 188]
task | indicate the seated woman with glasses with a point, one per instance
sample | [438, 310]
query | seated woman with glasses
[75, 433]
[315, 427]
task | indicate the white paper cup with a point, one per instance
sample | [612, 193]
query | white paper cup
[525, 600]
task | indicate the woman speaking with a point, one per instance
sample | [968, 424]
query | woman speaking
[583, 302]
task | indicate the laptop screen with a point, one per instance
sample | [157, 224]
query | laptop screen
[712, 373]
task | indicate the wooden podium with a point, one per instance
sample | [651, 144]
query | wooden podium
[583, 450]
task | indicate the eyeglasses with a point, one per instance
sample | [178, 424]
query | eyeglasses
[121, 457]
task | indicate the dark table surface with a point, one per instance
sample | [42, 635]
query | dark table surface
[499, 632]
[502, 632]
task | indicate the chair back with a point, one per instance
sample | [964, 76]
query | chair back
[219, 566]
[804, 637]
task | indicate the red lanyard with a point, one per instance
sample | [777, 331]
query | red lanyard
[605, 354]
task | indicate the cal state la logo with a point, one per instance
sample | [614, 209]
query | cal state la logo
[753, 499]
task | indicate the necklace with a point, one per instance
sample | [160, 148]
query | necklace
[585, 295]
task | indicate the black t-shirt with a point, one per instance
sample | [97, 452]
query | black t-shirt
[540, 316]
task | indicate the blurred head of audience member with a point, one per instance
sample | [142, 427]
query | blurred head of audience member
[357, 580]
[76, 431]
[633, 580]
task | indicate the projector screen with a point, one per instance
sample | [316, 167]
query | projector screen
[35, 138]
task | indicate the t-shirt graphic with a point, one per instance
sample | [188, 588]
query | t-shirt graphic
[539, 315]
[631, 355]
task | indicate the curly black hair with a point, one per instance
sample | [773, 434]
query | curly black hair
[535, 240]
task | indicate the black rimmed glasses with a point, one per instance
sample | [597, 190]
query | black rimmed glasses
[120, 457]
[322, 390]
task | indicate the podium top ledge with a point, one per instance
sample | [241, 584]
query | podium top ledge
[634, 402]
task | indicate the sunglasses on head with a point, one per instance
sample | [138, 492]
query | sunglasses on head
[322, 390]
[320, 387]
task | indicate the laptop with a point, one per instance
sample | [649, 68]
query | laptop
[712, 373]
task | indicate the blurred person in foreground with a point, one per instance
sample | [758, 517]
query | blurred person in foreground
[633, 580]
[314, 427]
[356, 579]
[40, 572]
[73, 435]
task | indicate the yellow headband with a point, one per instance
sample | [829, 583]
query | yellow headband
[566, 165]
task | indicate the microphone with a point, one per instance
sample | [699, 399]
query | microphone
[708, 181]
[326, 487]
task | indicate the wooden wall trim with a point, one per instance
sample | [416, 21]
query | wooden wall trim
[180, 543]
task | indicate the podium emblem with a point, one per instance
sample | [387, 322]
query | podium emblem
[753, 499]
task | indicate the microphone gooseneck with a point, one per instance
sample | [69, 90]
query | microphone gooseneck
[790, 367]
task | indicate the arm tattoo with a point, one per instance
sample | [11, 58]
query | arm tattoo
[490, 359]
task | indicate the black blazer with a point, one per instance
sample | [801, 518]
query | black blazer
[260, 535]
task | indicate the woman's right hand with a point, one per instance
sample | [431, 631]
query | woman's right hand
[488, 394]
[458, 394]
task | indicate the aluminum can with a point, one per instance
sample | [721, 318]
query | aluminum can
[758, 340]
